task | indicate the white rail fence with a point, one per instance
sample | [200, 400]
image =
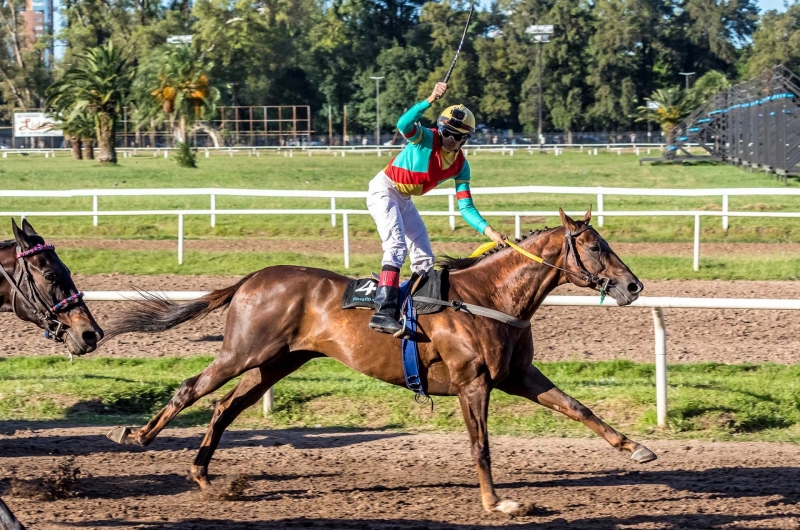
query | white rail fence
[212, 193]
[379, 150]
[656, 303]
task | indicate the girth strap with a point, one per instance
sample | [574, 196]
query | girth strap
[478, 310]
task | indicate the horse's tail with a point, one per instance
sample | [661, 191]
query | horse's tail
[155, 313]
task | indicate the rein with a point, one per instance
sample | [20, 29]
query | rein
[570, 236]
[45, 315]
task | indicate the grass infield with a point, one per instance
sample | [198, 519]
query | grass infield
[707, 401]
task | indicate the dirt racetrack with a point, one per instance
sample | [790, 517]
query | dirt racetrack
[694, 335]
[386, 480]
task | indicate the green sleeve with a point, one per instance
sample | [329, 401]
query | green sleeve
[465, 205]
[408, 123]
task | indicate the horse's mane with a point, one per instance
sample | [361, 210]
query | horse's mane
[458, 264]
[7, 244]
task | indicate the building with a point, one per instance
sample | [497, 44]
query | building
[38, 18]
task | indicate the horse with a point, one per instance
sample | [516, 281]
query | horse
[37, 287]
[281, 317]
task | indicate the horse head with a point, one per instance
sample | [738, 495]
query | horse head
[42, 292]
[591, 262]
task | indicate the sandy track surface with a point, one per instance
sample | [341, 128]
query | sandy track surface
[318, 246]
[695, 335]
[390, 481]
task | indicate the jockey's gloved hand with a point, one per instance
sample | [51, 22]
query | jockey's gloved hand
[438, 91]
[495, 236]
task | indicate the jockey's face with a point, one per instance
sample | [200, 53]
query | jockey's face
[450, 144]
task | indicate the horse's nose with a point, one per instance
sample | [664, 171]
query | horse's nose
[89, 338]
[635, 287]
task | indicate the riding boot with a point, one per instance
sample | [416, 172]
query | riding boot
[385, 318]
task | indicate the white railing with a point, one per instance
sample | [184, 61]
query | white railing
[157, 152]
[656, 303]
[347, 213]
[598, 191]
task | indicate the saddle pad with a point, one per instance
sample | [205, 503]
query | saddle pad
[360, 293]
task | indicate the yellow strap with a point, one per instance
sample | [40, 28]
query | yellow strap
[491, 244]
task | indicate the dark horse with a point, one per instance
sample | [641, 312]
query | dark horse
[282, 317]
[37, 287]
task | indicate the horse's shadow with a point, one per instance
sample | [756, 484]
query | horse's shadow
[686, 521]
[87, 444]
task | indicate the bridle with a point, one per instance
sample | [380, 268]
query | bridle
[45, 315]
[582, 274]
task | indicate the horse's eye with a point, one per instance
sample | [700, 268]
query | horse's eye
[595, 248]
[50, 276]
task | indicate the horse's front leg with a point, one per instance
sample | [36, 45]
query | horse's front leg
[474, 400]
[534, 385]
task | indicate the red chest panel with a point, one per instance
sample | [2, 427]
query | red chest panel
[435, 172]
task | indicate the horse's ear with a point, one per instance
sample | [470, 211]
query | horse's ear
[20, 236]
[567, 221]
[28, 229]
[588, 217]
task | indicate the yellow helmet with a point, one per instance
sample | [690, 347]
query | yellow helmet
[458, 119]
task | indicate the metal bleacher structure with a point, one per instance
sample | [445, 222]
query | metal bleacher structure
[754, 124]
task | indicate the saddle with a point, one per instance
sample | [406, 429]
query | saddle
[360, 293]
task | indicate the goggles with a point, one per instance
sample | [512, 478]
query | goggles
[458, 137]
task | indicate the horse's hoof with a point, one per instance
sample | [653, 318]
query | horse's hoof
[508, 507]
[643, 455]
[119, 435]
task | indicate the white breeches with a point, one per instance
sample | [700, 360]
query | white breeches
[399, 225]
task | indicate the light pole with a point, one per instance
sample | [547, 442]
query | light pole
[377, 109]
[687, 75]
[541, 34]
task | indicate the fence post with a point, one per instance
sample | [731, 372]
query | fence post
[600, 217]
[180, 239]
[346, 232]
[696, 265]
[333, 207]
[725, 210]
[451, 206]
[517, 227]
[661, 366]
[94, 209]
[213, 209]
[269, 402]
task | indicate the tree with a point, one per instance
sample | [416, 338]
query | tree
[78, 128]
[776, 41]
[404, 69]
[24, 76]
[566, 94]
[98, 83]
[173, 85]
[710, 33]
[623, 54]
[706, 86]
[668, 107]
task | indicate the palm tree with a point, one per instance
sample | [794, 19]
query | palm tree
[173, 86]
[99, 84]
[667, 107]
[79, 130]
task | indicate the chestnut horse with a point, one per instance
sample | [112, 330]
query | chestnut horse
[37, 287]
[282, 317]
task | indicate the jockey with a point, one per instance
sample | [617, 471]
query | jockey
[431, 157]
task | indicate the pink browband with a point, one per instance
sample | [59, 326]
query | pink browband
[35, 250]
[66, 301]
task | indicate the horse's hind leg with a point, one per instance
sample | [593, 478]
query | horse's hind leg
[253, 385]
[534, 385]
[220, 371]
